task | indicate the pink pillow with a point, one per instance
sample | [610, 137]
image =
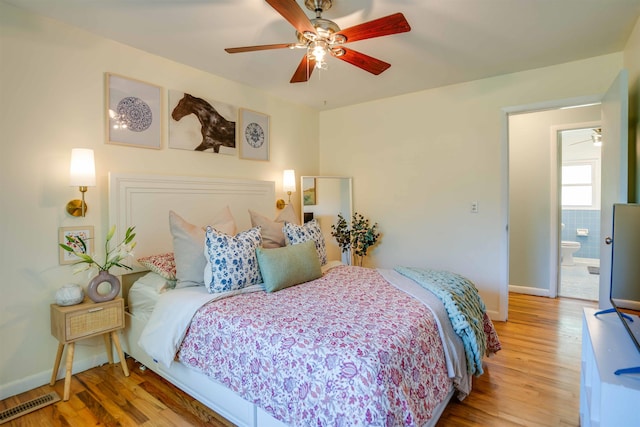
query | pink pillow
[163, 264]
[188, 245]
[271, 230]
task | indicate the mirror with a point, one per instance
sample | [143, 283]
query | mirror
[322, 198]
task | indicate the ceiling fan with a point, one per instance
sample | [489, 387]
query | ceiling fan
[321, 37]
[596, 138]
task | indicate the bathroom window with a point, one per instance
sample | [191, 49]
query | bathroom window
[578, 184]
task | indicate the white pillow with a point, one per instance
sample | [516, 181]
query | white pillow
[272, 235]
[231, 261]
[156, 282]
[188, 241]
[295, 234]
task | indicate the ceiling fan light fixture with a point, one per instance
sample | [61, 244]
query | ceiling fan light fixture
[596, 137]
[307, 36]
[324, 27]
[597, 140]
[338, 39]
[318, 51]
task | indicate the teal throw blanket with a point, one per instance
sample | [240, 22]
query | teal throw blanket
[464, 306]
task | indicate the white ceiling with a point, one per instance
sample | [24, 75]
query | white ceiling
[450, 41]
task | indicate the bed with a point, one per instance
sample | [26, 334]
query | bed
[353, 346]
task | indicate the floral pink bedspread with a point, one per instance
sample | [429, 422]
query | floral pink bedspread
[345, 349]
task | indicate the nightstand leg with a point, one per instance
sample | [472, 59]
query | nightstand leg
[107, 343]
[56, 364]
[67, 377]
[123, 362]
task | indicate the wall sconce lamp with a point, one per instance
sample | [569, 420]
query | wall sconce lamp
[82, 174]
[288, 185]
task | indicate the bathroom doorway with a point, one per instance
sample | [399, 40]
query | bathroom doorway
[579, 190]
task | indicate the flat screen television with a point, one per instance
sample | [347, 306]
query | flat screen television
[625, 269]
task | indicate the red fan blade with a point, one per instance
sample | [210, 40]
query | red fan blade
[259, 47]
[366, 62]
[304, 70]
[392, 24]
[290, 11]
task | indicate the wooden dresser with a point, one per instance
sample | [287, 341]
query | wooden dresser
[607, 399]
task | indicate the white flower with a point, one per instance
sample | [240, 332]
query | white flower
[112, 256]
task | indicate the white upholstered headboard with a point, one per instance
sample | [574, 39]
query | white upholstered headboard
[144, 201]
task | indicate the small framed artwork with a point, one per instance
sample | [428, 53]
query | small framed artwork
[309, 191]
[84, 232]
[253, 135]
[133, 112]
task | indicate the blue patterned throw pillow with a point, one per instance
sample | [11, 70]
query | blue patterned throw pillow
[295, 234]
[231, 260]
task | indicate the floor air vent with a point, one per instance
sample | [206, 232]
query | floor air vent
[26, 407]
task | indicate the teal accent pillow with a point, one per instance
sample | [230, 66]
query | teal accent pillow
[288, 266]
[295, 234]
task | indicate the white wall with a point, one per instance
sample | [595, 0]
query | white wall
[532, 162]
[632, 64]
[419, 160]
[51, 100]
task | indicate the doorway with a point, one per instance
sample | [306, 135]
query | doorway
[614, 108]
[534, 199]
[579, 190]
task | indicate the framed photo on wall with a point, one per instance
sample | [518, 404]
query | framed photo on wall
[253, 135]
[85, 232]
[200, 124]
[309, 191]
[133, 114]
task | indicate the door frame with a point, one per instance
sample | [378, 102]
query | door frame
[555, 203]
[505, 112]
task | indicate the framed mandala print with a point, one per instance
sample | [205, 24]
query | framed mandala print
[133, 112]
[253, 135]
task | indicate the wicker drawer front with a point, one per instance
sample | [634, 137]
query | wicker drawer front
[87, 319]
[92, 321]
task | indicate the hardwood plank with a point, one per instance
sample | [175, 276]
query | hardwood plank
[533, 381]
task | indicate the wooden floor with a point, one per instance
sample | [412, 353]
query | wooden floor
[533, 381]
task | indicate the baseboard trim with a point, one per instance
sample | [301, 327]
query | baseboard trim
[43, 377]
[494, 315]
[539, 292]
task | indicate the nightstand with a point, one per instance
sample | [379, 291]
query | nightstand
[88, 319]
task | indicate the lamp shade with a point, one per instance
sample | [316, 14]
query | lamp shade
[289, 180]
[82, 172]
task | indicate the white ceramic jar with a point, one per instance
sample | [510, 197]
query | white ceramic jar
[69, 294]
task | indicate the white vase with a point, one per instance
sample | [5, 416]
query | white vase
[69, 294]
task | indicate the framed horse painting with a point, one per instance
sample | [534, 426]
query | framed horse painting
[253, 135]
[199, 124]
[133, 112]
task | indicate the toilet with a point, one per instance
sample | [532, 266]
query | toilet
[567, 249]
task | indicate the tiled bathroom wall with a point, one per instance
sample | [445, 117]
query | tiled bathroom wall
[588, 219]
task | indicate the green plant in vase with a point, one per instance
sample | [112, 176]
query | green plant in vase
[356, 237]
[113, 258]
